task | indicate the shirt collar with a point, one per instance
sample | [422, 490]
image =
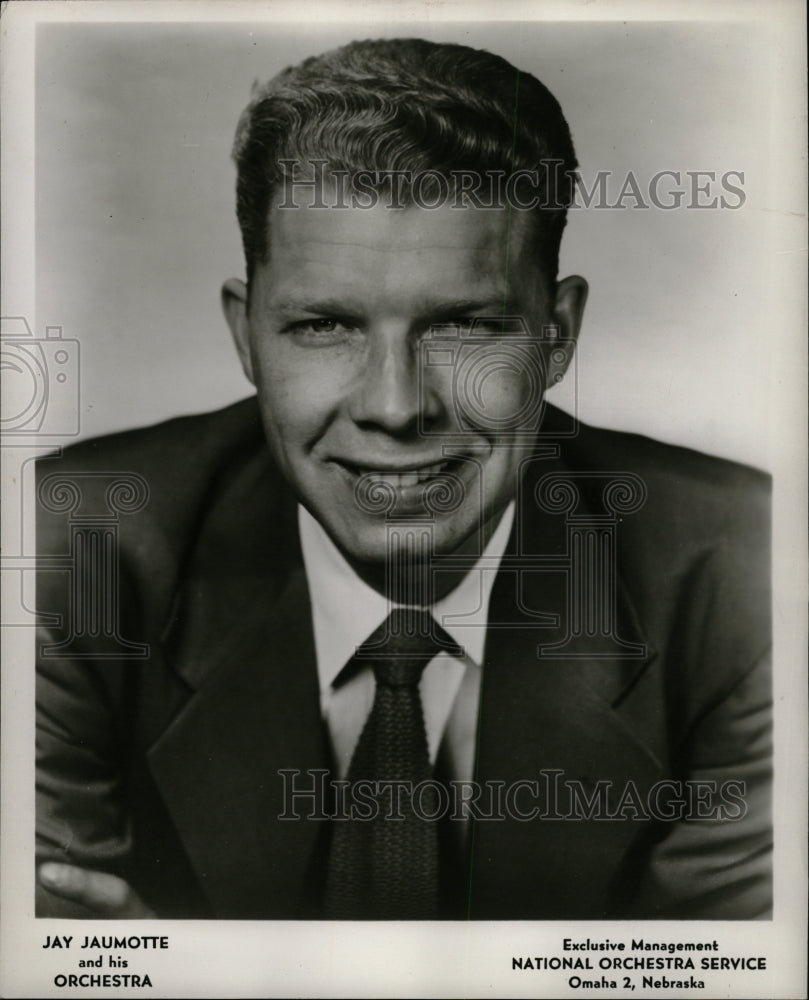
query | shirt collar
[346, 610]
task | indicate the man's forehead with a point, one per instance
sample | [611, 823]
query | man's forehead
[389, 229]
[462, 247]
[415, 257]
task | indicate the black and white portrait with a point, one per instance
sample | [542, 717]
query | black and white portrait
[396, 415]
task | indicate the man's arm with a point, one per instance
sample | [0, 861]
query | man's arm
[721, 867]
[82, 893]
[81, 819]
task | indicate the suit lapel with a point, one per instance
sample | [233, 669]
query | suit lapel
[549, 720]
[242, 639]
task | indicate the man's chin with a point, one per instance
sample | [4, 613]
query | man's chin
[412, 539]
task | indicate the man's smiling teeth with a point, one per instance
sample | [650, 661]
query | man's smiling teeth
[412, 477]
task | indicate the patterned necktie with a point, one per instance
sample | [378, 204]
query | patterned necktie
[386, 867]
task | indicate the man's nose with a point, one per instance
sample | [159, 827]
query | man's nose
[393, 392]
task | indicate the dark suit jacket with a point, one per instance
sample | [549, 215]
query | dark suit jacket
[162, 766]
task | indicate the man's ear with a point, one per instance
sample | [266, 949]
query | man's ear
[234, 306]
[568, 309]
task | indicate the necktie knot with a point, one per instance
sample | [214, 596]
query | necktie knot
[403, 645]
[387, 868]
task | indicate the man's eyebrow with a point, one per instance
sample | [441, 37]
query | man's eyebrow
[316, 306]
[491, 306]
[435, 310]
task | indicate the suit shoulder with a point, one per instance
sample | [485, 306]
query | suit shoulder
[700, 517]
[695, 554]
[176, 468]
[183, 446]
[710, 491]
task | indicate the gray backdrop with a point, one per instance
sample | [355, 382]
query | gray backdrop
[136, 228]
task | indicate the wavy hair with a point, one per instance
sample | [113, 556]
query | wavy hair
[403, 105]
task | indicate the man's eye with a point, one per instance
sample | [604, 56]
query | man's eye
[482, 326]
[461, 324]
[320, 329]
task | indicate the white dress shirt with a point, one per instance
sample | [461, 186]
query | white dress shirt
[345, 611]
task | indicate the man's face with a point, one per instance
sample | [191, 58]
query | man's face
[335, 342]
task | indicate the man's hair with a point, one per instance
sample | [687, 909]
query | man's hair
[404, 105]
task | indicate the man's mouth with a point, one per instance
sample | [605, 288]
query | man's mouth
[411, 477]
[400, 478]
[434, 487]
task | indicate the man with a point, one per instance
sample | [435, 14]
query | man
[395, 639]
